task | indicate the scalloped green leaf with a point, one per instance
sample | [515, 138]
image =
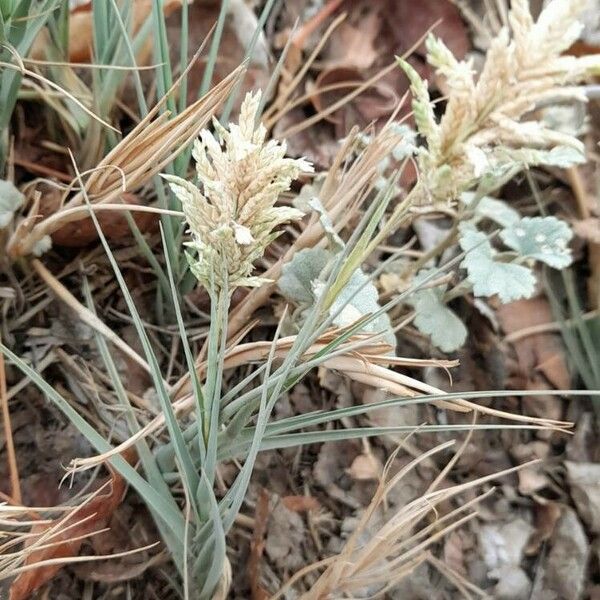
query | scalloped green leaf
[542, 238]
[489, 277]
[559, 156]
[491, 208]
[435, 319]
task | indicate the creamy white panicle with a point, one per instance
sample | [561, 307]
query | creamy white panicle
[488, 128]
[232, 216]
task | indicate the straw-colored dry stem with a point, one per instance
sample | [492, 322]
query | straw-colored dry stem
[15, 485]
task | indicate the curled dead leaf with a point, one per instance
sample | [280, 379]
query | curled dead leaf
[540, 356]
[113, 223]
[353, 45]
[66, 541]
[377, 102]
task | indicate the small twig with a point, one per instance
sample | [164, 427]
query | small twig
[579, 192]
[314, 23]
[257, 545]
[15, 486]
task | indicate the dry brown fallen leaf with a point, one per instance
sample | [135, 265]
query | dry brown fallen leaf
[562, 573]
[353, 44]
[409, 22]
[285, 538]
[237, 31]
[454, 552]
[365, 467]
[539, 355]
[81, 523]
[545, 517]
[361, 48]
[540, 358]
[584, 481]
[113, 223]
[534, 478]
[378, 102]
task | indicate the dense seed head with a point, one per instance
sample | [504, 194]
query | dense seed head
[232, 215]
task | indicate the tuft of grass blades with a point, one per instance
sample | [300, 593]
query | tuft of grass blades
[20, 22]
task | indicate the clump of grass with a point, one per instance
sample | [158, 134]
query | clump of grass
[20, 22]
[232, 215]
[230, 423]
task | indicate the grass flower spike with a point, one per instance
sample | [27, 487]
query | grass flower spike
[489, 129]
[233, 217]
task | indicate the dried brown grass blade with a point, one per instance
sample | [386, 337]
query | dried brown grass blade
[59, 540]
[396, 548]
[131, 164]
[358, 366]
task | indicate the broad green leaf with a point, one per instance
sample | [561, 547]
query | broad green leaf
[300, 282]
[491, 208]
[435, 319]
[359, 297]
[506, 162]
[11, 199]
[543, 238]
[297, 276]
[489, 277]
